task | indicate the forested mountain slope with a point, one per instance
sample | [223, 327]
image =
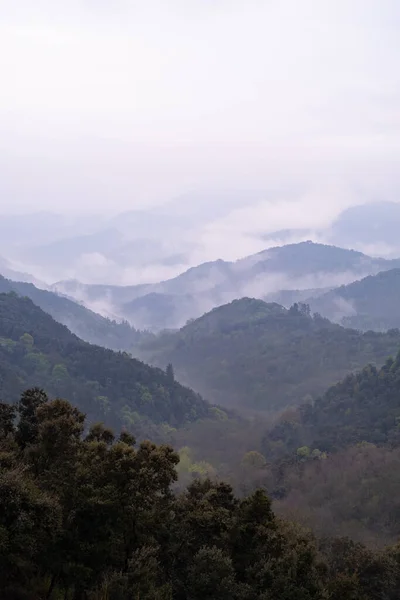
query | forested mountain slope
[335, 464]
[251, 354]
[364, 407]
[372, 303]
[85, 323]
[306, 265]
[36, 350]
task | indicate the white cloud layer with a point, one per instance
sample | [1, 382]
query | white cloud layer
[109, 106]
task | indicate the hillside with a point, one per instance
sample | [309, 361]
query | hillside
[335, 463]
[372, 303]
[85, 323]
[35, 350]
[289, 297]
[255, 355]
[199, 289]
[156, 311]
[364, 407]
[7, 269]
[306, 258]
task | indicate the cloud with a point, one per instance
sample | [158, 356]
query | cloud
[125, 105]
[241, 231]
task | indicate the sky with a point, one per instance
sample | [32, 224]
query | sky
[109, 106]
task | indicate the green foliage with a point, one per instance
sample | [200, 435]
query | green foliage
[27, 340]
[364, 407]
[37, 351]
[85, 323]
[254, 355]
[93, 517]
[253, 460]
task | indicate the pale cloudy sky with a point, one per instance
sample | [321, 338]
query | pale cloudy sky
[116, 105]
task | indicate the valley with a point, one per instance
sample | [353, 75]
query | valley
[293, 391]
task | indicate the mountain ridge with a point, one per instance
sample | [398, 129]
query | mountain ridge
[256, 355]
[213, 283]
[35, 350]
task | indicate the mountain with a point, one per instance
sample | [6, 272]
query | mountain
[303, 266]
[371, 227]
[7, 268]
[35, 350]
[363, 408]
[289, 297]
[156, 311]
[371, 303]
[336, 461]
[85, 323]
[255, 355]
[374, 225]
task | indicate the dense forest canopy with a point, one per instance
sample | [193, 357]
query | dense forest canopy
[256, 355]
[330, 464]
[92, 516]
[36, 350]
[364, 407]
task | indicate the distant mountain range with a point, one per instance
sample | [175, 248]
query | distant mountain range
[371, 228]
[7, 270]
[158, 243]
[311, 268]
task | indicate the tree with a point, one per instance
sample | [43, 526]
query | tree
[211, 576]
[27, 429]
[170, 373]
[7, 418]
[27, 340]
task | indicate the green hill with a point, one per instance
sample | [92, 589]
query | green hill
[371, 303]
[334, 464]
[85, 323]
[364, 407]
[255, 355]
[35, 350]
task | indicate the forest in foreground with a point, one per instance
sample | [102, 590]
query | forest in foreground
[330, 464]
[87, 514]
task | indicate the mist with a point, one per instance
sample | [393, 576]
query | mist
[106, 108]
[139, 140]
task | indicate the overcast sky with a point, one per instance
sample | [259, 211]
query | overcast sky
[123, 104]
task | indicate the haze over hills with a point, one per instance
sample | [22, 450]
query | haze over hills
[158, 243]
[372, 303]
[7, 270]
[254, 355]
[194, 188]
[170, 303]
[371, 228]
[84, 323]
[35, 350]
[134, 245]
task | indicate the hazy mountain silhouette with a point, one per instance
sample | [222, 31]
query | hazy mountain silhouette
[301, 266]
